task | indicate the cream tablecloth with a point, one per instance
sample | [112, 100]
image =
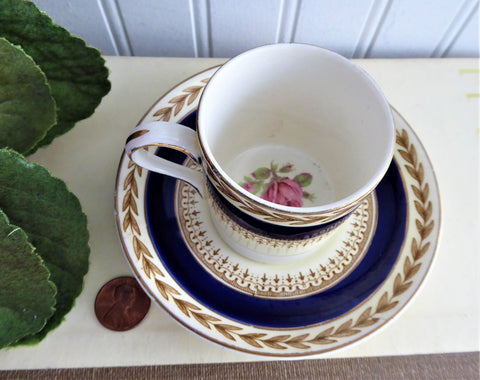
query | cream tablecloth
[440, 100]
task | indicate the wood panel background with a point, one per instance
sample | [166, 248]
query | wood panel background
[224, 28]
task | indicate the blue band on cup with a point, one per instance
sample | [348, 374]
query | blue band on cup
[266, 229]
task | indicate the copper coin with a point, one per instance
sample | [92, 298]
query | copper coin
[121, 304]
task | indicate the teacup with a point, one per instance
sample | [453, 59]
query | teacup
[292, 135]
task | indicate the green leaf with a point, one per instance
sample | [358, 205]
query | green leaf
[262, 173]
[76, 73]
[257, 186]
[311, 197]
[303, 179]
[53, 219]
[287, 168]
[27, 297]
[27, 109]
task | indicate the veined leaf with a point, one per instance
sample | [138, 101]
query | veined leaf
[76, 73]
[53, 220]
[27, 297]
[27, 109]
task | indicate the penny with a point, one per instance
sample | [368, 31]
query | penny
[121, 304]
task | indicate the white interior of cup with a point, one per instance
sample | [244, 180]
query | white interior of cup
[305, 99]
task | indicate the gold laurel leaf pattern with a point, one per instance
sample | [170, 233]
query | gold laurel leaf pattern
[253, 339]
[179, 102]
[140, 249]
[129, 204]
[228, 331]
[165, 290]
[190, 94]
[366, 319]
[410, 270]
[399, 285]
[194, 91]
[332, 335]
[164, 113]
[185, 307]
[274, 342]
[205, 319]
[385, 304]
[345, 330]
[298, 342]
[130, 222]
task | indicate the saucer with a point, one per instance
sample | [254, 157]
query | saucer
[377, 289]
[338, 255]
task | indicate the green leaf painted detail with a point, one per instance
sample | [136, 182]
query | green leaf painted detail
[53, 220]
[287, 168]
[303, 179]
[261, 173]
[311, 197]
[27, 109]
[27, 297]
[76, 73]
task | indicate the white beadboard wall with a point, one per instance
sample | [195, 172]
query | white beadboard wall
[224, 28]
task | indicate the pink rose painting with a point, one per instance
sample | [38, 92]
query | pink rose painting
[274, 186]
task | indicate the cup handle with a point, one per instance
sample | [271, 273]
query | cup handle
[169, 135]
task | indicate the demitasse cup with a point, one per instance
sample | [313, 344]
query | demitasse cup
[291, 135]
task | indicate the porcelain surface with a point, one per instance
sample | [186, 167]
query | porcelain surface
[393, 268]
[334, 257]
